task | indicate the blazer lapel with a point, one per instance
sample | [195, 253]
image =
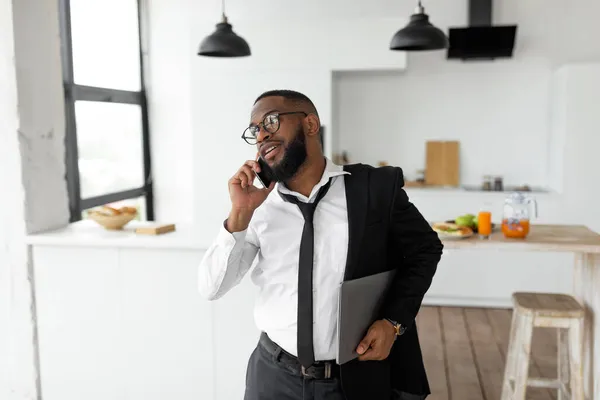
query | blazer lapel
[357, 195]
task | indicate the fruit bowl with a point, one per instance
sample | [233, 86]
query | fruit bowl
[112, 218]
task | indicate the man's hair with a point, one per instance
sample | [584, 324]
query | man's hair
[291, 96]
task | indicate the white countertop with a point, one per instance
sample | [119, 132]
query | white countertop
[88, 233]
[556, 238]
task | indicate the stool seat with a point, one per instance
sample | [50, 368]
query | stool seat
[545, 310]
[547, 305]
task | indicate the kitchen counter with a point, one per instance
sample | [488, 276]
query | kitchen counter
[560, 238]
[88, 233]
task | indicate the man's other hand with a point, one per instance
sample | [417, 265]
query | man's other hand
[378, 341]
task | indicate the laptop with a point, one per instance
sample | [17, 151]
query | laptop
[359, 303]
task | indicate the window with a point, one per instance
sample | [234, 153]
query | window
[107, 138]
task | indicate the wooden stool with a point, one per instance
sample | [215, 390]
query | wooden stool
[549, 311]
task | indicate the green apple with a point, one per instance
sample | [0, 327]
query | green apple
[465, 220]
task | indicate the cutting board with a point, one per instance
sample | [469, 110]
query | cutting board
[442, 163]
[156, 229]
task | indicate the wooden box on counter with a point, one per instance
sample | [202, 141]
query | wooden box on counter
[155, 229]
[442, 163]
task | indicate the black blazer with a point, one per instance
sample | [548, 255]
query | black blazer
[386, 231]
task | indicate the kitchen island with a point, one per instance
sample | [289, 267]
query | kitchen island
[119, 315]
[584, 245]
[472, 277]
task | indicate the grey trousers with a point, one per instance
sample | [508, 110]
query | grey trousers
[269, 379]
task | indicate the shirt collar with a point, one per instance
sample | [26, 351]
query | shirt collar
[331, 170]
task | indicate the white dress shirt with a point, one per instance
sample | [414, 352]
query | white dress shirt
[274, 234]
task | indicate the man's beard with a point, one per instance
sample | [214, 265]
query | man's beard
[293, 158]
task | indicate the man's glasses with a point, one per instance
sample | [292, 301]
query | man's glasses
[270, 124]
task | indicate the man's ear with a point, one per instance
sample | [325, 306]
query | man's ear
[313, 125]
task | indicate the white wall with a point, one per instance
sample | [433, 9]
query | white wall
[511, 98]
[499, 111]
[32, 175]
[579, 130]
[9, 181]
[168, 62]
[41, 114]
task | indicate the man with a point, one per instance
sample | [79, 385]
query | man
[324, 224]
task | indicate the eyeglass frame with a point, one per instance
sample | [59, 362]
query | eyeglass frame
[278, 114]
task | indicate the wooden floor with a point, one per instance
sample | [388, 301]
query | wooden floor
[464, 351]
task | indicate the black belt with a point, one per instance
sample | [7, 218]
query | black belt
[319, 370]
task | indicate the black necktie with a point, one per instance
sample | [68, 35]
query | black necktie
[306, 353]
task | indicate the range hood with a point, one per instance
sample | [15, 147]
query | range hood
[481, 40]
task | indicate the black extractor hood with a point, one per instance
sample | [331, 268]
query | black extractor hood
[481, 40]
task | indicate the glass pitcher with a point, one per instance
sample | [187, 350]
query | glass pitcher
[516, 215]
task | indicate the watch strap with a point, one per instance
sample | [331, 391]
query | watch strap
[397, 326]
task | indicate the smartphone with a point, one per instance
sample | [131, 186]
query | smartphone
[265, 176]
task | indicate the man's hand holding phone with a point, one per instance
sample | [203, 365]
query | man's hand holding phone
[245, 197]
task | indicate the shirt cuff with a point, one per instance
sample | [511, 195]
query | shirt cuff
[230, 238]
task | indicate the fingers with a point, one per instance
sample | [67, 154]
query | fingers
[376, 351]
[370, 355]
[254, 165]
[376, 344]
[245, 175]
[367, 341]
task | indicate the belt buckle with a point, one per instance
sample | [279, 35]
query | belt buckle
[303, 371]
[327, 374]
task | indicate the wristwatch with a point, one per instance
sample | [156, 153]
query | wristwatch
[397, 326]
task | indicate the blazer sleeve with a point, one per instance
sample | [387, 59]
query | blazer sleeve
[415, 250]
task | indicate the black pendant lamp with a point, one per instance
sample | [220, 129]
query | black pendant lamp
[224, 42]
[419, 34]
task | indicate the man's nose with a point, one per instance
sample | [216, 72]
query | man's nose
[263, 135]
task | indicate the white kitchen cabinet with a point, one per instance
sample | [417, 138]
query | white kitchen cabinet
[123, 323]
[79, 312]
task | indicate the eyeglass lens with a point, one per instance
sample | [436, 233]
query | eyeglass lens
[270, 124]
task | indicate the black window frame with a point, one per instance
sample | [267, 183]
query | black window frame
[74, 92]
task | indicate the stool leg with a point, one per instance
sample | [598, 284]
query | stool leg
[509, 367]
[563, 362]
[523, 352]
[576, 358]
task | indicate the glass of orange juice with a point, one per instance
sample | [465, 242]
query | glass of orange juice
[484, 223]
